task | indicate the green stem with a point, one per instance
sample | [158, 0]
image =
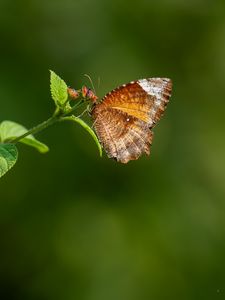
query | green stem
[36, 129]
[76, 106]
[86, 127]
[56, 117]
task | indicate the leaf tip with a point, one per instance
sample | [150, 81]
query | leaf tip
[44, 149]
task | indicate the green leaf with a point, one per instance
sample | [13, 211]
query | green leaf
[58, 89]
[87, 128]
[10, 130]
[8, 157]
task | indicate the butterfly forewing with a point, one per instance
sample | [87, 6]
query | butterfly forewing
[124, 117]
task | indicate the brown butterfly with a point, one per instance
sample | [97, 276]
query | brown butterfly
[124, 119]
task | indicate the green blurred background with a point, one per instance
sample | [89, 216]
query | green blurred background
[74, 226]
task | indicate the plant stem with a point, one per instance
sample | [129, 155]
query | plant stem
[77, 105]
[86, 127]
[56, 117]
[37, 128]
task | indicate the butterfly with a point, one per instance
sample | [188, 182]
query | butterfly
[123, 120]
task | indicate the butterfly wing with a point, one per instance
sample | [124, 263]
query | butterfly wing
[124, 117]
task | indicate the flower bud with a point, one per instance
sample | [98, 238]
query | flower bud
[72, 93]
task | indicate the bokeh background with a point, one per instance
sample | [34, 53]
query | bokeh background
[75, 226]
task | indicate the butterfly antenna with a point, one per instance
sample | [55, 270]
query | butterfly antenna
[86, 75]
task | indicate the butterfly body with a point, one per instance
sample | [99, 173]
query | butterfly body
[124, 118]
